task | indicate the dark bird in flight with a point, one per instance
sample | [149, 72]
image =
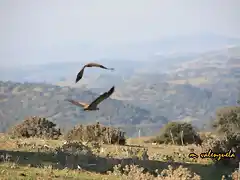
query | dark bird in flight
[80, 74]
[93, 105]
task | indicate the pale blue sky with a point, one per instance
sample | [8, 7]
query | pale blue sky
[30, 29]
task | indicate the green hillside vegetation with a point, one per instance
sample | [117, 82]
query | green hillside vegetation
[194, 89]
[29, 99]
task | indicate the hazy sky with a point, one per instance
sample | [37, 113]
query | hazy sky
[30, 29]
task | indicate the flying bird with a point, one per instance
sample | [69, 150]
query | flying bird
[80, 74]
[94, 104]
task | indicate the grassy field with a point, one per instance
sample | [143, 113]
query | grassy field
[11, 172]
[35, 159]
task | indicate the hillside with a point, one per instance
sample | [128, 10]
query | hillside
[192, 89]
[21, 100]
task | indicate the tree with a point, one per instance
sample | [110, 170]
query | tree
[227, 121]
[178, 133]
[227, 127]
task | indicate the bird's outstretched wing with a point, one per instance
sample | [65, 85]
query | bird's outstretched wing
[80, 75]
[97, 65]
[102, 97]
[81, 104]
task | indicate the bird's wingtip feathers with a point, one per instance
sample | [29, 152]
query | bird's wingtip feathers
[112, 89]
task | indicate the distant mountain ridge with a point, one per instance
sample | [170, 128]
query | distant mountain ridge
[198, 43]
[148, 93]
[18, 101]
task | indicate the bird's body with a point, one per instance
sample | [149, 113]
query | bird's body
[97, 65]
[80, 74]
[94, 104]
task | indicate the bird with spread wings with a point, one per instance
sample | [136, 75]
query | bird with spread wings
[80, 74]
[93, 105]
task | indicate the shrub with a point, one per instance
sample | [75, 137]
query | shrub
[176, 132]
[227, 127]
[36, 127]
[235, 175]
[179, 173]
[227, 121]
[221, 144]
[204, 136]
[75, 148]
[131, 172]
[97, 133]
[134, 172]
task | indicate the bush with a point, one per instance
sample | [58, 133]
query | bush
[178, 173]
[216, 144]
[235, 175]
[227, 121]
[75, 148]
[175, 132]
[227, 127]
[221, 145]
[134, 172]
[36, 127]
[97, 133]
[204, 136]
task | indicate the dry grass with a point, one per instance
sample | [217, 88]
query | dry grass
[9, 172]
[26, 153]
[7, 143]
[156, 152]
[139, 141]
